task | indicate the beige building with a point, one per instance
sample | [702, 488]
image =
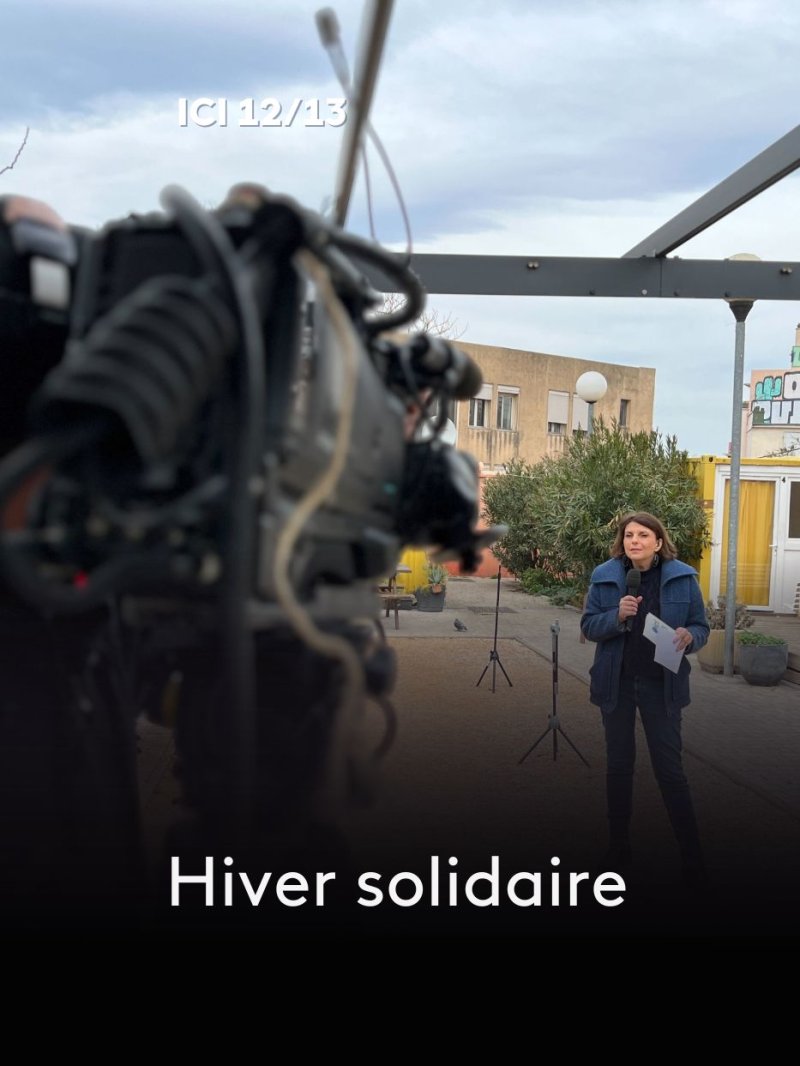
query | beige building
[528, 408]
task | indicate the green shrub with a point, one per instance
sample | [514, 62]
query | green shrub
[754, 637]
[559, 590]
[536, 581]
[562, 512]
[570, 594]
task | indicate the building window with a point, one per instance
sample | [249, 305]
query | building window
[450, 406]
[624, 413]
[557, 413]
[794, 511]
[580, 416]
[507, 407]
[479, 413]
[479, 408]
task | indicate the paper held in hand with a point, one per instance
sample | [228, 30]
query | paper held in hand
[663, 637]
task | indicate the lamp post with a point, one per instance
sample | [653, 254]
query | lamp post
[741, 308]
[591, 387]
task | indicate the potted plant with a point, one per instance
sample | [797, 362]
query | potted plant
[431, 597]
[762, 659]
[712, 656]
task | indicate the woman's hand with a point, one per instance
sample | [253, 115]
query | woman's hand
[628, 607]
[683, 638]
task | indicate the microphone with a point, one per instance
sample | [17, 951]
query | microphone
[633, 580]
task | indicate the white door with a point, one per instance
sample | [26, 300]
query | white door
[787, 542]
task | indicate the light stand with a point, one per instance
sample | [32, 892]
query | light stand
[494, 658]
[553, 725]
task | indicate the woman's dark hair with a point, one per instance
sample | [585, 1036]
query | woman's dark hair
[643, 518]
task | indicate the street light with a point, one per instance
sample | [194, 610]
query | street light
[591, 387]
[741, 306]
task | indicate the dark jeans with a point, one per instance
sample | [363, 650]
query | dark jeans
[663, 733]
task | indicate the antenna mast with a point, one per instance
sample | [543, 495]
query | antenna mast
[373, 35]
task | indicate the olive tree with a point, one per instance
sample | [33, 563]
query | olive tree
[562, 512]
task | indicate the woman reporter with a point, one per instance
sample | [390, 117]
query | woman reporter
[625, 676]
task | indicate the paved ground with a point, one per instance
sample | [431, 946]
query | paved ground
[454, 784]
[751, 734]
[454, 791]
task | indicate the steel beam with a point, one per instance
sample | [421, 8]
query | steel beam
[643, 278]
[769, 166]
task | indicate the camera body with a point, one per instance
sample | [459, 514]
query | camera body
[172, 415]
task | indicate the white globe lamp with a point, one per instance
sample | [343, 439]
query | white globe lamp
[591, 387]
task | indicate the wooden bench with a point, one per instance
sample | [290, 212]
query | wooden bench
[392, 599]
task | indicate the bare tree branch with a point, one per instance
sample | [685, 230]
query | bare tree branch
[432, 321]
[439, 324]
[13, 163]
[781, 453]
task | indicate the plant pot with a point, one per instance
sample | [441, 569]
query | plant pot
[763, 664]
[711, 656]
[429, 600]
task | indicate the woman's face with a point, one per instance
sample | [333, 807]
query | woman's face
[640, 544]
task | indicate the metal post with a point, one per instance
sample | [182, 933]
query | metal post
[741, 309]
[365, 76]
[590, 420]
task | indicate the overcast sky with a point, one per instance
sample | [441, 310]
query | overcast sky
[520, 128]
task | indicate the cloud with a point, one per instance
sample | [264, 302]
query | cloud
[524, 128]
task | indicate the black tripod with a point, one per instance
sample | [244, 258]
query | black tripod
[494, 658]
[553, 725]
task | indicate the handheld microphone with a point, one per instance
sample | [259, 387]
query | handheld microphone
[633, 580]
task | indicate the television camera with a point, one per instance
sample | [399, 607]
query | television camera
[221, 456]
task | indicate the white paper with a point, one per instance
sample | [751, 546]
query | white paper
[663, 636]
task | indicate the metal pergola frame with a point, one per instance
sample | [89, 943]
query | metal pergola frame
[645, 272]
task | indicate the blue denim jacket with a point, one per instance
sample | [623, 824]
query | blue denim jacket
[681, 605]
